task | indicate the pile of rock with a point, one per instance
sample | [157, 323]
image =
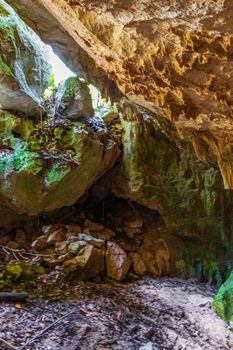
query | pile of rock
[19, 237]
[82, 252]
[126, 241]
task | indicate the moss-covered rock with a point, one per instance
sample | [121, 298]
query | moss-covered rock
[47, 166]
[24, 64]
[163, 174]
[223, 302]
[73, 99]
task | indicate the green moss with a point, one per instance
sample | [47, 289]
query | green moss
[24, 269]
[57, 172]
[223, 302]
[20, 159]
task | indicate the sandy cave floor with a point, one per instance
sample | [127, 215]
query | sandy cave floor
[152, 313]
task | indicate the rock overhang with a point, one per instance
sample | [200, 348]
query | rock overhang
[174, 59]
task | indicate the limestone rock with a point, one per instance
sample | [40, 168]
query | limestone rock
[40, 243]
[73, 228]
[223, 302]
[153, 256]
[56, 236]
[159, 173]
[117, 262]
[76, 246]
[73, 99]
[98, 243]
[87, 264]
[61, 248]
[24, 65]
[47, 229]
[93, 227]
[44, 167]
[139, 265]
[107, 234]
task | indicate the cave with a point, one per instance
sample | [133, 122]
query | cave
[116, 173]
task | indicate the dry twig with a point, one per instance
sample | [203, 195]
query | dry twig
[44, 330]
[8, 344]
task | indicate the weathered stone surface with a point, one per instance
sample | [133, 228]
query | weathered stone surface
[56, 236]
[87, 264]
[117, 262]
[152, 257]
[179, 69]
[40, 243]
[73, 228]
[44, 166]
[76, 246]
[223, 302]
[98, 243]
[24, 65]
[61, 248]
[159, 173]
[73, 99]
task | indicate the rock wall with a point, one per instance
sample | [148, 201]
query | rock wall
[174, 58]
[24, 65]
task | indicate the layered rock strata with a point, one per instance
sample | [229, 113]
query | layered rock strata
[24, 65]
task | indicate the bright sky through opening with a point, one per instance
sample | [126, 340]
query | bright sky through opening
[59, 69]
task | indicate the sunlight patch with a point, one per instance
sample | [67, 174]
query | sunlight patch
[59, 69]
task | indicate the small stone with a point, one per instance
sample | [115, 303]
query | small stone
[13, 245]
[47, 229]
[71, 237]
[117, 262]
[61, 247]
[64, 257]
[149, 333]
[107, 234]
[93, 226]
[57, 236]
[75, 247]
[73, 228]
[40, 243]
[51, 262]
[98, 243]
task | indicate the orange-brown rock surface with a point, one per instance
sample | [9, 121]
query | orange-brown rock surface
[172, 57]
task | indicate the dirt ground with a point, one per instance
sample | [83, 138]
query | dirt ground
[148, 314]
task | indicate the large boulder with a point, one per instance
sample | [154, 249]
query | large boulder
[24, 65]
[223, 302]
[73, 99]
[117, 261]
[47, 166]
[87, 264]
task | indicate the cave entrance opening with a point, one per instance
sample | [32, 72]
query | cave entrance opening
[61, 72]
